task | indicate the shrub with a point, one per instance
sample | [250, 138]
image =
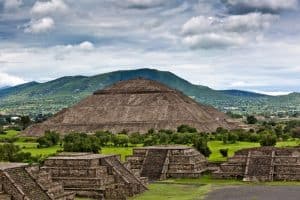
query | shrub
[120, 140]
[50, 138]
[104, 137]
[200, 143]
[224, 152]
[12, 153]
[81, 142]
[150, 141]
[296, 132]
[2, 132]
[268, 140]
[251, 119]
[186, 129]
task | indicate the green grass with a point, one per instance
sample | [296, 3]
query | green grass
[123, 151]
[162, 191]
[9, 134]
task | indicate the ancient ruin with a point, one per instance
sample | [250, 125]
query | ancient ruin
[94, 175]
[136, 106]
[262, 164]
[19, 181]
[161, 162]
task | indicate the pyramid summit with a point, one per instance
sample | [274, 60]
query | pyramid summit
[135, 105]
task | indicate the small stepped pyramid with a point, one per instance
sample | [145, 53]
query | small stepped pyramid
[27, 184]
[161, 162]
[21, 181]
[94, 175]
[262, 164]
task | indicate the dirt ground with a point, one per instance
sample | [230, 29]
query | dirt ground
[256, 193]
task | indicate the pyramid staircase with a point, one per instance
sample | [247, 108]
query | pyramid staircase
[264, 172]
[154, 163]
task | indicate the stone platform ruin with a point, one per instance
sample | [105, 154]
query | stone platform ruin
[161, 162]
[262, 164]
[19, 181]
[94, 175]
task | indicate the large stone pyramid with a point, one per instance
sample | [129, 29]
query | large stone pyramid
[136, 106]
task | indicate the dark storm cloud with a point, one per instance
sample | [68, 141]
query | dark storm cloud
[264, 6]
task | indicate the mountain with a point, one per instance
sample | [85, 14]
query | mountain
[52, 96]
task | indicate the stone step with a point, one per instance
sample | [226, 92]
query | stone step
[4, 196]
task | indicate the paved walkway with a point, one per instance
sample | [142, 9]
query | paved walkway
[256, 193]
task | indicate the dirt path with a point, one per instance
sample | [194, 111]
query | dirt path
[256, 193]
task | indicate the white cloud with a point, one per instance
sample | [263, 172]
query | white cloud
[48, 7]
[277, 93]
[40, 26]
[235, 30]
[12, 4]
[213, 40]
[9, 80]
[86, 45]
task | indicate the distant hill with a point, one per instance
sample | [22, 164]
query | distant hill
[34, 97]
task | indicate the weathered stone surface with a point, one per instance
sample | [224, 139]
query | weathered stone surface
[94, 175]
[161, 162]
[136, 106]
[262, 164]
[19, 181]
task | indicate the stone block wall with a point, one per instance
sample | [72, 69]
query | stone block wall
[180, 161]
[93, 175]
[262, 164]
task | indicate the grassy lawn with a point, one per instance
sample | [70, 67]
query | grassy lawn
[9, 134]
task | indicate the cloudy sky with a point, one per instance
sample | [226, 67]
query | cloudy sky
[243, 44]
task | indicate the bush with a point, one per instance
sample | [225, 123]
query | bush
[200, 143]
[2, 132]
[251, 119]
[296, 132]
[50, 138]
[81, 142]
[120, 140]
[150, 141]
[186, 129]
[104, 137]
[135, 138]
[12, 153]
[268, 140]
[224, 152]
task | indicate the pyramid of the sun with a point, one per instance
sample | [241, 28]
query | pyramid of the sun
[262, 164]
[161, 162]
[136, 106]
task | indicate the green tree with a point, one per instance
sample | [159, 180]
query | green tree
[81, 142]
[186, 129]
[200, 144]
[104, 137]
[268, 140]
[251, 119]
